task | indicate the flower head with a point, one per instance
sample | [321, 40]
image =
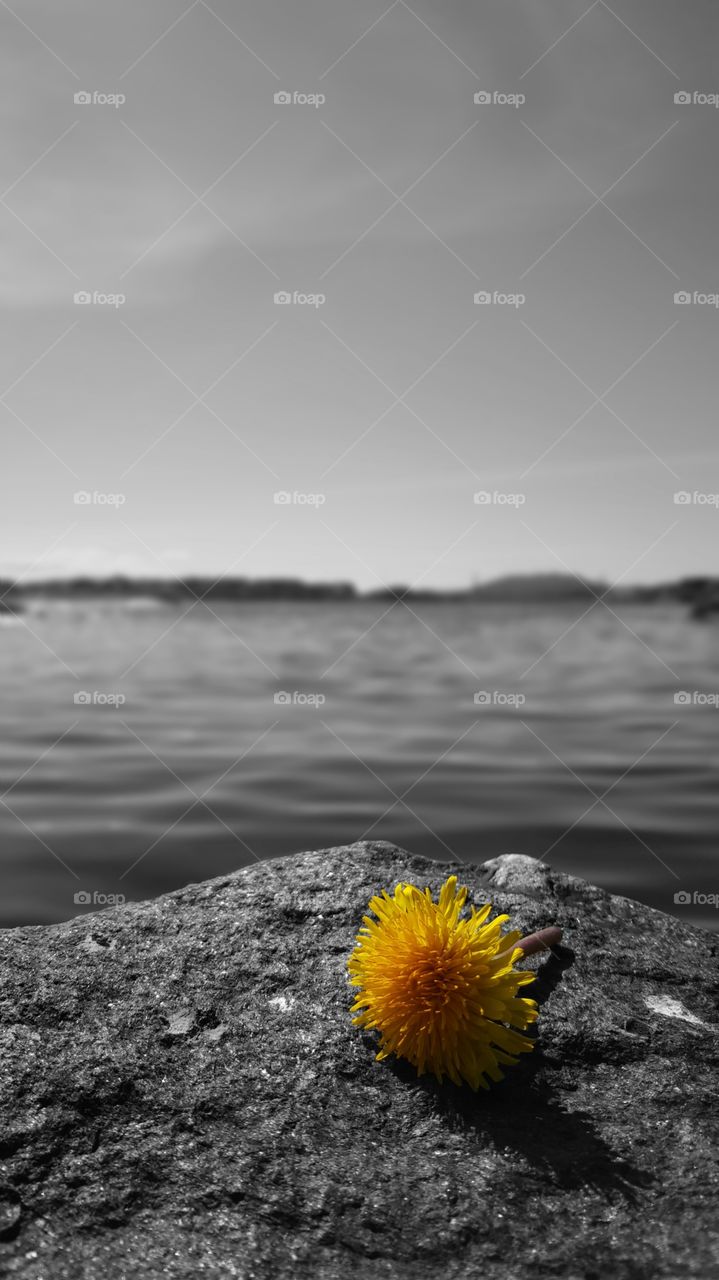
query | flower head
[441, 990]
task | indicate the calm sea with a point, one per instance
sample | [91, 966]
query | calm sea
[200, 770]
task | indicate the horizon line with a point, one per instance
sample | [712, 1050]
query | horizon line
[564, 580]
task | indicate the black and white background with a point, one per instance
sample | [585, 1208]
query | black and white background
[414, 301]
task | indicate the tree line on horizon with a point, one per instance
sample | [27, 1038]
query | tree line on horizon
[525, 588]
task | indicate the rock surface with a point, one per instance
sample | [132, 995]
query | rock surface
[183, 1093]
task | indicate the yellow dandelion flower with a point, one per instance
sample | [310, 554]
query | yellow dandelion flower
[441, 991]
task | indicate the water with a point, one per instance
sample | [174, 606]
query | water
[399, 750]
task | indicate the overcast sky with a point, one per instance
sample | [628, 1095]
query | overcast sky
[398, 198]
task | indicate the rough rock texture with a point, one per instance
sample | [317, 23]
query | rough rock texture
[183, 1093]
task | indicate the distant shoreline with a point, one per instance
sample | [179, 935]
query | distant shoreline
[700, 593]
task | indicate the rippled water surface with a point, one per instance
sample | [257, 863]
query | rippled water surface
[201, 771]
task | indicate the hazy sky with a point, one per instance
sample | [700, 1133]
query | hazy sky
[398, 199]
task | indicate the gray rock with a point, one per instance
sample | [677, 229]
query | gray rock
[183, 1093]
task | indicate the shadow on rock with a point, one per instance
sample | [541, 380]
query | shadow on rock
[523, 1114]
[531, 1122]
[549, 975]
